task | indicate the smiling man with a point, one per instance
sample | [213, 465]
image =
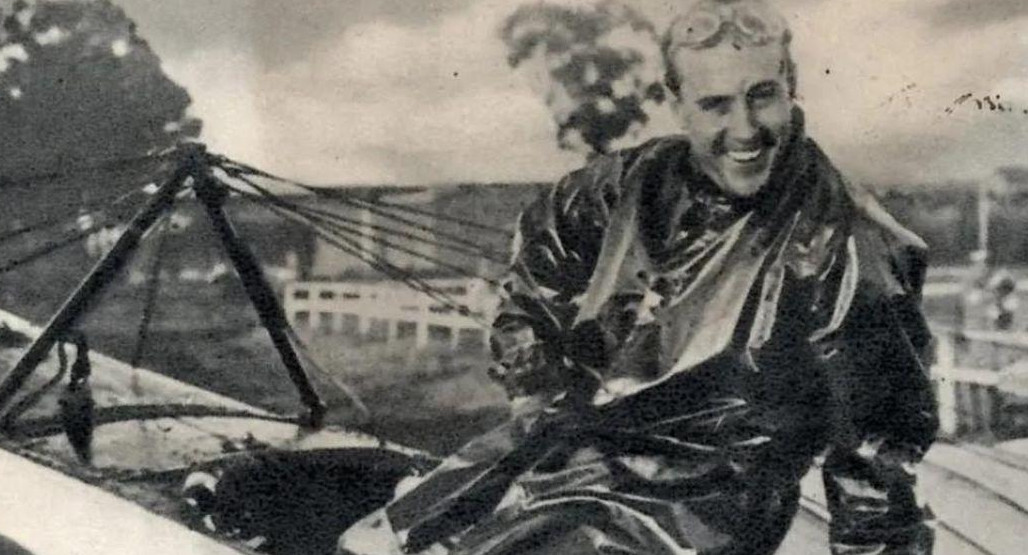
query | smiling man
[734, 98]
[687, 326]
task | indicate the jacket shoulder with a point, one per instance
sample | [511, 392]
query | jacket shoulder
[604, 177]
[905, 254]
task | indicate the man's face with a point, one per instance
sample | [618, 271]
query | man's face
[736, 108]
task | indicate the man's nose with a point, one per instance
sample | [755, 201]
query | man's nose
[742, 125]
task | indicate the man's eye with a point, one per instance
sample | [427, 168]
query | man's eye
[763, 95]
[719, 105]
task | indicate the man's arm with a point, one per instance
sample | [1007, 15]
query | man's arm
[555, 250]
[886, 416]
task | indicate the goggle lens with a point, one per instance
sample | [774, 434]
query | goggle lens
[758, 24]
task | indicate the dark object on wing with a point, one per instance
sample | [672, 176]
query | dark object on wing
[76, 404]
[295, 502]
[10, 338]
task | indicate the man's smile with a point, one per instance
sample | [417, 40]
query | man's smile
[745, 156]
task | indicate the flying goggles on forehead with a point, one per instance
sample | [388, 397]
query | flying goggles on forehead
[755, 23]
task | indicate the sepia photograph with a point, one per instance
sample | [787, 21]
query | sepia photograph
[504, 277]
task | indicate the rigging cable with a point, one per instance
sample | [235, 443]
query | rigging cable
[335, 194]
[341, 385]
[69, 216]
[463, 247]
[32, 398]
[343, 228]
[53, 246]
[436, 215]
[336, 229]
[350, 246]
[47, 249]
[476, 249]
[459, 244]
[153, 285]
[109, 165]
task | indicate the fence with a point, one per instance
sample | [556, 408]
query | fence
[389, 310]
[968, 373]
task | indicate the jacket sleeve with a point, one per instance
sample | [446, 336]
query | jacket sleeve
[885, 409]
[558, 240]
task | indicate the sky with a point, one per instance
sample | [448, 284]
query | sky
[418, 92]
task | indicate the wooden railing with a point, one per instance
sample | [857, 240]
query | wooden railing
[967, 372]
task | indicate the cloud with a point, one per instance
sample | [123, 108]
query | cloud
[181, 28]
[416, 92]
[975, 13]
[276, 32]
[387, 102]
[290, 30]
[865, 96]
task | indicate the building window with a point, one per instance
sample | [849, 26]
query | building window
[302, 319]
[405, 330]
[325, 322]
[378, 330]
[440, 333]
[327, 295]
[350, 324]
[301, 294]
[470, 339]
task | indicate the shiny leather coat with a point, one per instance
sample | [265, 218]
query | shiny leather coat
[678, 358]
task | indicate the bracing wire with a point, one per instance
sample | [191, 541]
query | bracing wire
[451, 242]
[459, 246]
[153, 286]
[436, 215]
[475, 249]
[69, 216]
[349, 235]
[338, 383]
[53, 246]
[326, 220]
[109, 165]
[32, 398]
[336, 194]
[47, 249]
[350, 246]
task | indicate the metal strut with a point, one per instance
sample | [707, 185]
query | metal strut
[102, 274]
[193, 164]
[212, 194]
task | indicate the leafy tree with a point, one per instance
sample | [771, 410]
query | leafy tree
[79, 87]
[598, 67]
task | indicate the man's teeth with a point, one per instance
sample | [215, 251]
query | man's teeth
[744, 155]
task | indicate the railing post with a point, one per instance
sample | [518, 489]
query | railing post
[947, 392]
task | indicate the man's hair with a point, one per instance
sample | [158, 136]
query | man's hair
[708, 23]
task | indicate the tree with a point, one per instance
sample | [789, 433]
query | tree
[598, 67]
[79, 87]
